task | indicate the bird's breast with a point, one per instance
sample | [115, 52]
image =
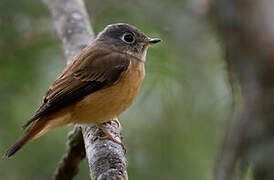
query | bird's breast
[107, 103]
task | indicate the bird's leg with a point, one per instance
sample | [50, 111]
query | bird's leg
[108, 136]
[114, 121]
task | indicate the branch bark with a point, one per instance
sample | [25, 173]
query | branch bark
[106, 159]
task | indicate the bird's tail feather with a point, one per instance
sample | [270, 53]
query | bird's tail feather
[35, 131]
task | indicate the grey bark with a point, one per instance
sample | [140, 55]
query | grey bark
[106, 159]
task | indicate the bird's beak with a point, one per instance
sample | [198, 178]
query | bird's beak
[151, 41]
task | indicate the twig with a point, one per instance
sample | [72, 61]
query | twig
[68, 166]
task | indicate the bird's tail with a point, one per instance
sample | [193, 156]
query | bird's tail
[36, 130]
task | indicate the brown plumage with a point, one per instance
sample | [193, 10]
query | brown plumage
[97, 86]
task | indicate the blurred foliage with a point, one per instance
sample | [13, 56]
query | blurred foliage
[174, 129]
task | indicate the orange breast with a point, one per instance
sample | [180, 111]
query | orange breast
[110, 102]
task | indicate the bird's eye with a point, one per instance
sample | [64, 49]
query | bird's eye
[128, 38]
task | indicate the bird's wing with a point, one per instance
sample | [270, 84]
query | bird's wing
[94, 69]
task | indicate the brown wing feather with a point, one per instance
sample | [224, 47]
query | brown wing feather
[94, 69]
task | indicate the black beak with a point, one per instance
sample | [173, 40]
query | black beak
[153, 40]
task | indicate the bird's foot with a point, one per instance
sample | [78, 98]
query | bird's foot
[108, 136]
[114, 121]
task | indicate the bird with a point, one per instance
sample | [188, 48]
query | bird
[100, 84]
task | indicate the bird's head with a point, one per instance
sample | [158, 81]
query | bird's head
[127, 39]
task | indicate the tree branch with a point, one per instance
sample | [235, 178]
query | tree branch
[246, 27]
[106, 159]
[68, 165]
